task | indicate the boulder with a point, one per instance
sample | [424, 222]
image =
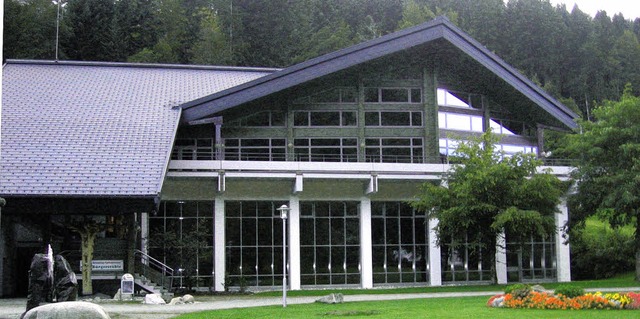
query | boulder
[188, 299]
[153, 299]
[176, 301]
[67, 310]
[66, 283]
[331, 299]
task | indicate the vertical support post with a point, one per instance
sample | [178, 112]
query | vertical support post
[219, 244]
[435, 268]
[144, 233]
[366, 244]
[294, 243]
[361, 129]
[486, 115]
[430, 107]
[563, 253]
[217, 121]
[540, 140]
[290, 133]
[501, 259]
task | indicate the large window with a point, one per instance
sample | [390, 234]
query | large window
[400, 244]
[325, 118]
[182, 235]
[531, 260]
[255, 149]
[394, 150]
[392, 95]
[326, 149]
[465, 262]
[260, 119]
[330, 243]
[339, 95]
[253, 244]
[195, 149]
[386, 119]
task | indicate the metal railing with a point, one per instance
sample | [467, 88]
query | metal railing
[153, 269]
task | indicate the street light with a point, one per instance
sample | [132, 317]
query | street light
[284, 210]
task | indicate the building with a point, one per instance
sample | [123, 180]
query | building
[189, 164]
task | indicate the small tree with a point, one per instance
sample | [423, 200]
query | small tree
[487, 194]
[608, 166]
[88, 230]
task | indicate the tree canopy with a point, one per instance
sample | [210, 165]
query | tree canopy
[608, 166]
[488, 194]
[571, 54]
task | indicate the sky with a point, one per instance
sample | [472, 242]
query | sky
[629, 8]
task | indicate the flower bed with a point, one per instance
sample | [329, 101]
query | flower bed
[548, 300]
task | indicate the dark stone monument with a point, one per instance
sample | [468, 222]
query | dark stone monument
[66, 283]
[40, 281]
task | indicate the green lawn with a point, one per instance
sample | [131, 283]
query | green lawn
[624, 280]
[468, 307]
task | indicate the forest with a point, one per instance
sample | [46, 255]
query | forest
[581, 60]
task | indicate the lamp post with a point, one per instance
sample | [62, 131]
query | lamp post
[284, 210]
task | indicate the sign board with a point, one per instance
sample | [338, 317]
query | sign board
[126, 285]
[106, 265]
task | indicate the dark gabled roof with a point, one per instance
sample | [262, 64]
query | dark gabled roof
[440, 28]
[96, 129]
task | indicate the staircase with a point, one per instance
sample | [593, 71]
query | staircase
[150, 286]
[152, 275]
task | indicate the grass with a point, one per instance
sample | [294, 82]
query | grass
[468, 307]
[620, 281]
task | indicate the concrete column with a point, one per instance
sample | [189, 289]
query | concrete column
[435, 270]
[219, 259]
[430, 107]
[294, 243]
[144, 232]
[563, 257]
[501, 259]
[366, 244]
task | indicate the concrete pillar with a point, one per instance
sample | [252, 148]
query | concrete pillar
[294, 243]
[366, 244]
[144, 232]
[219, 259]
[430, 106]
[563, 256]
[501, 259]
[435, 270]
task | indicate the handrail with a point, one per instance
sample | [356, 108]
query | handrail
[148, 264]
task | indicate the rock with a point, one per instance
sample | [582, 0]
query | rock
[153, 299]
[176, 301]
[498, 302]
[538, 288]
[331, 299]
[40, 281]
[118, 295]
[188, 299]
[67, 310]
[66, 283]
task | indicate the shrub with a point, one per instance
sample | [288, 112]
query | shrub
[599, 251]
[569, 291]
[518, 291]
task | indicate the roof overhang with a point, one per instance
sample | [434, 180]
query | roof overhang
[440, 28]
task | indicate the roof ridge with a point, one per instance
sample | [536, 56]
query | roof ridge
[142, 65]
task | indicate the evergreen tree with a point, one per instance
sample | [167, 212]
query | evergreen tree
[90, 36]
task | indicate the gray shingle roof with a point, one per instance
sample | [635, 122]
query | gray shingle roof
[428, 32]
[96, 129]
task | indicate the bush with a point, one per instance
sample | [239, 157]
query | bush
[569, 291]
[518, 291]
[598, 251]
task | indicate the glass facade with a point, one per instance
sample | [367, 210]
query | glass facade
[182, 235]
[465, 262]
[400, 244]
[253, 244]
[531, 260]
[330, 243]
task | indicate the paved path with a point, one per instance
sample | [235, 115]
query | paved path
[13, 308]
